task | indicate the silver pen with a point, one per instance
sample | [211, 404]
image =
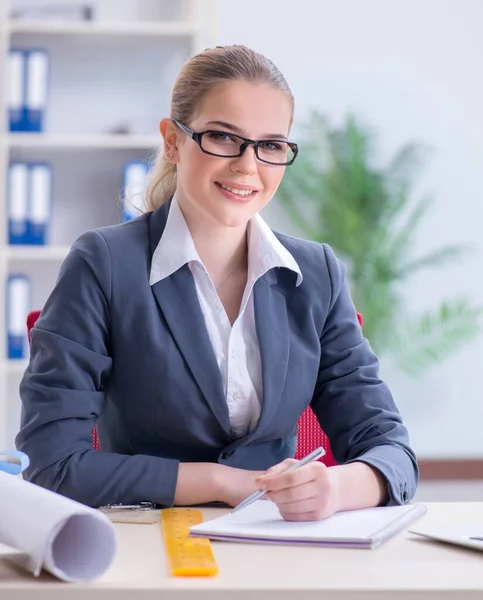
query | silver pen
[316, 454]
[140, 506]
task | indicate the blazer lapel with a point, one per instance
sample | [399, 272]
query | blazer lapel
[274, 339]
[177, 298]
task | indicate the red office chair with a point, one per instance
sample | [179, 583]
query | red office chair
[310, 435]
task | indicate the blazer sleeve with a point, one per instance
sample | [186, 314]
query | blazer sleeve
[353, 406]
[62, 393]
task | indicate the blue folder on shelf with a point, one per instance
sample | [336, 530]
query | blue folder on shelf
[27, 84]
[135, 175]
[29, 202]
[37, 68]
[16, 96]
[18, 199]
[18, 306]
[39, 203]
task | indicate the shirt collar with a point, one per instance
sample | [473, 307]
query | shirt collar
[176, 248]
[265, 252]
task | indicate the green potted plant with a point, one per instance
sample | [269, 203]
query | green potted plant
[334, 193]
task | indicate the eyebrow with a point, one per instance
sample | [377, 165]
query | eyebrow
[235, 129]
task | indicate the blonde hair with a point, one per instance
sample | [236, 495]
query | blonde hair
[196, 78]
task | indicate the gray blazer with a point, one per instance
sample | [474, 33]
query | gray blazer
[137, 360]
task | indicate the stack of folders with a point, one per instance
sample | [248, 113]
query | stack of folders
[29, 215]
[134, 187]
[27, 85]
[29, 202]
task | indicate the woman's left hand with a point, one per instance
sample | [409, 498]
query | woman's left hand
[309, 493]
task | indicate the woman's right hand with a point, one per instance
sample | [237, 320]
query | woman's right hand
[234, 485]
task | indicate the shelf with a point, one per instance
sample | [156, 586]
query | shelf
[166, 28]
[110, 73]
[14, 366]
[36, 253]
[100, 141]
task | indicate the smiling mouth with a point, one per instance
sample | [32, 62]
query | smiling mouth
[237, 191]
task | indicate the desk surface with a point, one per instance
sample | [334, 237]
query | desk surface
[406, 566]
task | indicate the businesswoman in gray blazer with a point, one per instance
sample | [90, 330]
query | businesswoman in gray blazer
[195, 337]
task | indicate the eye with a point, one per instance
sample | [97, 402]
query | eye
[273, 146]
[220, 137]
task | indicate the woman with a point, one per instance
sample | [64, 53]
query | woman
[195, 337]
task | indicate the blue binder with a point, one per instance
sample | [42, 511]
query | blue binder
[37, 77]
[39, 203]
[16, 94]
[18, 306]
[18, 193]
[135, 174]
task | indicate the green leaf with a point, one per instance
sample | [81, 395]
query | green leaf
[400, 241]
[435, 335]
[407, 164]
[438, 258]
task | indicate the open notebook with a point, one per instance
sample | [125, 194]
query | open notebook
[261, 522]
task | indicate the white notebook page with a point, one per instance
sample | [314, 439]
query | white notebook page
[262, 520]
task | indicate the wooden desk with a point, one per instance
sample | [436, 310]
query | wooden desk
[406, 567]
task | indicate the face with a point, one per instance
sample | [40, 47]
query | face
[255, 111]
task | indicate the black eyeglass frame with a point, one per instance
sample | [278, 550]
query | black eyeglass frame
[198, 135]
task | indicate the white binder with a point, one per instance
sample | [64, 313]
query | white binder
[18, 306]
[17, 203]
[40, 203]
[37, 85]
[16, 89]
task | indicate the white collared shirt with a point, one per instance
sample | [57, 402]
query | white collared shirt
[236, 347]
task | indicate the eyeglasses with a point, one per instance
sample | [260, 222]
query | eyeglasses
[230, 145]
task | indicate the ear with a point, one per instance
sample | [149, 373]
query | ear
[170, 133]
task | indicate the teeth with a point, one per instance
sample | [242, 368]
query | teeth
[235, 191]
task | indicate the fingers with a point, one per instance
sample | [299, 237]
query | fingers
[308, 493]
[312, 508]
[293, 494]
[311, 515]
[277, 469]
[281, 480]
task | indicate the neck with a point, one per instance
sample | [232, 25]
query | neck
[223, 250]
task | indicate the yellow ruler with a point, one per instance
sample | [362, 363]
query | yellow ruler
[188, 556]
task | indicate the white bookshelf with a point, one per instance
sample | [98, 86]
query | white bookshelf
[174, 29]
[106, 75]
[13, 367]
[35, 253]
[99, 141]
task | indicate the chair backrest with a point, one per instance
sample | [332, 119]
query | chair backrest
[310, 434]
[31, 320]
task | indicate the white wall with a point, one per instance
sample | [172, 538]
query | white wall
[413, 70]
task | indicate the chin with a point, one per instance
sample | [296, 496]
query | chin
[230, 216]
[233, 221]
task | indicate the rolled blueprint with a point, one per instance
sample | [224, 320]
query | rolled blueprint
[72, 541]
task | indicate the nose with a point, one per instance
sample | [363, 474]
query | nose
[246, 163]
